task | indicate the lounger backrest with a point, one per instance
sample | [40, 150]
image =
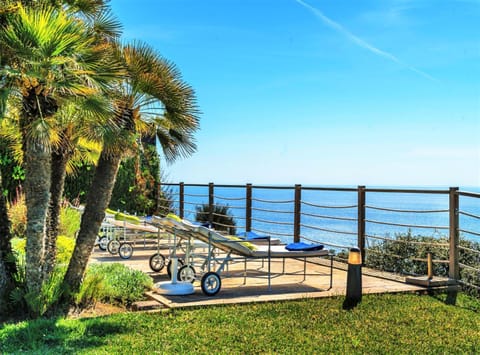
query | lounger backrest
[225, 243]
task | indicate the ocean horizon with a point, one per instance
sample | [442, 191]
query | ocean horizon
[330, 217]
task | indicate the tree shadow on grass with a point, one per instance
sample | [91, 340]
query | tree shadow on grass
[459, 300]
[59, 335]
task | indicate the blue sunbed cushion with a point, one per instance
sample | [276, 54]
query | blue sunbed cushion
[250, 235]
[301, 246]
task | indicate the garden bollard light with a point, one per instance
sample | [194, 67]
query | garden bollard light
[354, 279]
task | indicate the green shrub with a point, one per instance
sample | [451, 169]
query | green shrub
[17, 213]
[222, 219]
[69, 222]
[406, 254]
[65, 246]
[113, 283]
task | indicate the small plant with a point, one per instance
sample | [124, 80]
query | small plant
[222, 219]
[69, 221]
[113, 283]
[17, 213]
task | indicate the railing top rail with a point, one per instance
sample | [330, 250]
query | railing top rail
[410, 191]
[344, 189]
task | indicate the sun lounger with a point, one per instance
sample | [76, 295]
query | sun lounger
[234, 248]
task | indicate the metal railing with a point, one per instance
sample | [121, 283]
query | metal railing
[300, 214]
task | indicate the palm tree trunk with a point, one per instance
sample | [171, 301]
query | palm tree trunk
[59, 165]
[97, 202]
[37, 197]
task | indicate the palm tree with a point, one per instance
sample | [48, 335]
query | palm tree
[153, 97]
[52, 57]
[74, 121]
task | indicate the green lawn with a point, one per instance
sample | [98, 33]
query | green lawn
[380, 324]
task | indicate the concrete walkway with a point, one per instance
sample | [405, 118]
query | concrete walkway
[283, 287]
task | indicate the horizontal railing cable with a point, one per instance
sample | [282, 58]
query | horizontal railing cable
[469, 214]
[405, 225]
[329, 217]
[191, 203]
[272, 233]
[406, 241]
[404, 211]
[272, 222]
[225, 225]
[223, 206]
[468, 249]
[436, 261]
[468, 267]
[469, 232]
[273, 201]
[325, 243]
[230, 198]
[327, 230]
[326, 206]
[469, 284]
[195, 195]
[272, 211]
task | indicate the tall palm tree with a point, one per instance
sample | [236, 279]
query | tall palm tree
[73, 135]
[153, 97]
[52, 58]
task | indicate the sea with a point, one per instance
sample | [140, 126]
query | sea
[330, 216]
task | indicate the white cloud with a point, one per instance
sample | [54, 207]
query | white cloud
[362, 43]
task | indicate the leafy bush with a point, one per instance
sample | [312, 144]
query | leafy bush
[17, 213]
[20, 297]
[65, 246]
[404, 255]
[113, 283]
[69, 222]
[222, 219]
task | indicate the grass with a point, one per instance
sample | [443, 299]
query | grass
[380, 324]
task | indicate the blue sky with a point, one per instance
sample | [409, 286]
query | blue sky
[324, 92]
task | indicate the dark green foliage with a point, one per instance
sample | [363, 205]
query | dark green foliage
[222, 219]
[399, 256]
[77, 185]
[136, 187]
[12, 172]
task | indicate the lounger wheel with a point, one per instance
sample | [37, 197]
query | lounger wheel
[169, 267]
[113, 246]
[102, 243]
[125, 250]
[211, 283]
[186, 273]
[157, 262]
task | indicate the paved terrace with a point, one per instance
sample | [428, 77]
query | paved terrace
[283, 287]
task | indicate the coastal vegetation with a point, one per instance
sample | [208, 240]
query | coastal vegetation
[406, 255]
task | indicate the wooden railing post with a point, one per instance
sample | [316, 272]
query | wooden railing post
[297, 219]
[361, 221]
[248, 208]
[454, 266]
[181, 206]
[211, 198]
